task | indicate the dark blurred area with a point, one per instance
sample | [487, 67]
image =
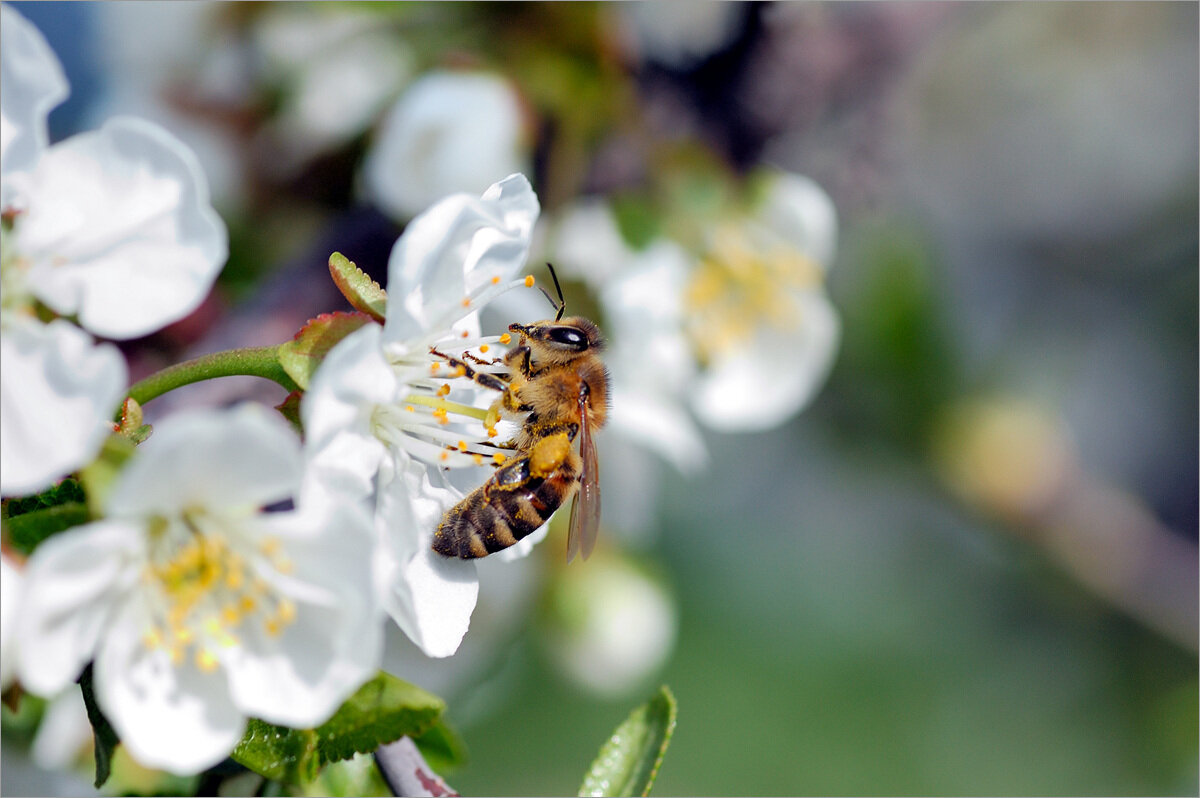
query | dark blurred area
[970, 565]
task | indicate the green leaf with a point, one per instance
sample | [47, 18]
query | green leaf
[363, 293]
[382, 710]
[301, 356]
[629, 761]
[279, 753]
[442, 748]
[102, 731]
[289, 408]
[27, 531]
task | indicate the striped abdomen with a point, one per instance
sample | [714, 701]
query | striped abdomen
[518, 498]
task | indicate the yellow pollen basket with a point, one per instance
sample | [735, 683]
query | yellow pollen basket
[742, 286]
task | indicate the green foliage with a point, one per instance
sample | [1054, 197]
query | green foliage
[301, 356]
[628, 761]
[382, 710]
[363, 293]
[31, 519]
[104, 736]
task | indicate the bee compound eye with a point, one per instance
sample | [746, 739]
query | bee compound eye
[568, 336]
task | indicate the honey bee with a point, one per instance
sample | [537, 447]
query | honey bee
[557, 385]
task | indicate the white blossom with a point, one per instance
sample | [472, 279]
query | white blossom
[449, 132]
[381, 416]
[10, 599]
[112, 227]
[198, 609]
[33, 83]
[756, 311]
[57, 395]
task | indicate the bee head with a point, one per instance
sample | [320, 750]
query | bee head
[560, 340]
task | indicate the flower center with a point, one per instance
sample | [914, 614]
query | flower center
[207, 589]
[741, 285]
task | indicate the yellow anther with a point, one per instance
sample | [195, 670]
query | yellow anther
[491, 432]
[286, 611]
[206, 660]
[273, 627]
[247, 604]
[498, 458]
[460, 370]
[176, 655]
[182, 634]
[466, 334]
[496, 280]
[444, 456]
[483, 348]
[269, 546]
[529, 281]
[505, 339]
[478, 458]
[462, 446]
[444, 389]
[466, 303]
[284, 566]
[433, 367]
[212, 626]
[410, 408]
[230, 615]
[152, 639]
[235, 578]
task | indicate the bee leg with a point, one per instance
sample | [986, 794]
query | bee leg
[481, 377]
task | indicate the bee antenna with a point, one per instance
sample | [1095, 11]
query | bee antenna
[561, 304]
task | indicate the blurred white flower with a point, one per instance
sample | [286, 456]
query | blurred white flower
[58, 391]
[682, 33]
[756, 312]
[116, 228]
[378, 413]
[113, 227]
[448, 132]
[198, 609]
[10, 597]
[64, 735]
[337, 69]
[33, 83]
[611, 626]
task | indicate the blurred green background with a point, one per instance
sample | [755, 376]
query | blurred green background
[877, 597]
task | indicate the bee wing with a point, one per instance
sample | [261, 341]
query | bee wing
[585, 512]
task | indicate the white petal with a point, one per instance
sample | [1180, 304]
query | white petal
[64, 733]
[800, 211]
[351, 381]
[659, 424]
[172, 717]
[430, 597]
[763, 384]
[73, 583]
[10, 598]
[301, 676]
[119, 229]
[33, 83]
[240, 459]
[449, 132]
[588, 244]
[434, 599]
[58, 392]
[454, 248]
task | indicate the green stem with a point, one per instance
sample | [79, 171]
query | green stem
[261, 361]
